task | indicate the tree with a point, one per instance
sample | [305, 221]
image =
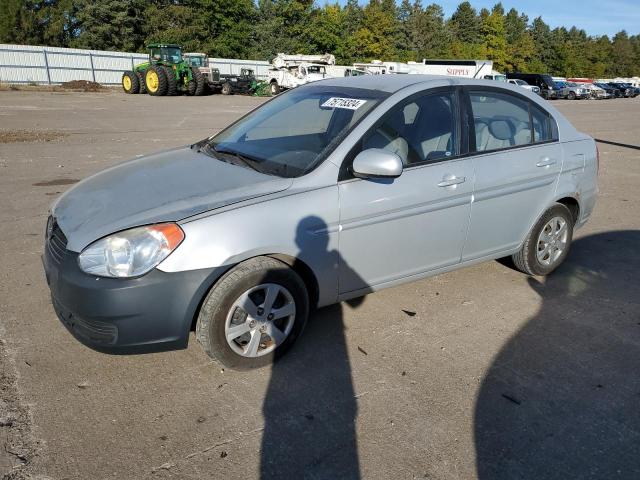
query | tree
[375, 39]
[465, 24]
[228, 27]
[10, 12]
[495, 42]
[109, 25]
[622, 55]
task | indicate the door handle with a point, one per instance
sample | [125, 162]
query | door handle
[546, 162]
[451, 180]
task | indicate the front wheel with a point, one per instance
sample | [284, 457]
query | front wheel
[226, 89]
[253, 315]
[572, 96]
[548, 242]
[274, 88]
[130, 82]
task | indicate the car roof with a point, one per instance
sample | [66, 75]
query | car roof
[389, 83]
[392, 83]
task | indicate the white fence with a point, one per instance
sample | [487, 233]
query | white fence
[51, 65]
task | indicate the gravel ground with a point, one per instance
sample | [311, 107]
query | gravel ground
[480, 373]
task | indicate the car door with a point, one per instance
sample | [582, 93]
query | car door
[392, 229]
[516, 164]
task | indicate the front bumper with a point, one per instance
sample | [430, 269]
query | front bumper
[121, 316]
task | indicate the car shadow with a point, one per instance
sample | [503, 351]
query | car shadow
[562, 398]
[310, 406]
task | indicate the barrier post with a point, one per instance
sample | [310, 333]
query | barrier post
[46, 65]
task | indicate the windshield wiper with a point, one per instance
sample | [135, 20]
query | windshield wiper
[208, 147]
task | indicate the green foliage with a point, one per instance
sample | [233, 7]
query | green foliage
[399, 30]
[109, 24]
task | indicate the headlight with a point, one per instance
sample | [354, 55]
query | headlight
[131, 253]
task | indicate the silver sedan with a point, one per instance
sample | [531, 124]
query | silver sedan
[328, 192]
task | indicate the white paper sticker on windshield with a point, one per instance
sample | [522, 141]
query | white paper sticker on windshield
[348, 103]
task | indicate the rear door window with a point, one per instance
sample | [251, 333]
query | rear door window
[501, 120]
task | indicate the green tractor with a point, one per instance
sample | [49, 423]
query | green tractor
[166, 73]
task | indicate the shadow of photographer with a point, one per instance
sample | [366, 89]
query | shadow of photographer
[310, 406]
[562, 398]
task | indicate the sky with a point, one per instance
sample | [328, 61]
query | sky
[596, 17]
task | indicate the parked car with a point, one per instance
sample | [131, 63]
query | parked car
[325, 193]
[613, 91]
[543, 81]
[571, 91]
[596, 92]
[626, 89]
[523, 84]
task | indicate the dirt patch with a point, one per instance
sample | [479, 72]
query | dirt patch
[55, 182]
[17, 445]
[16, 136]
[72, 86]
[82, 85]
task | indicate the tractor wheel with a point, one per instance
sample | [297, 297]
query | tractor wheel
[274, 88]
[172, 82]
[199, 80]
[130, 82]
[226, 89]
[143, 85]
[191, 87]
[156, 80]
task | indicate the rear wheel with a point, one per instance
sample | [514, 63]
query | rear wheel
[548, 242]
[571, 96]
[253, 315]
[156, 80]
[143, 85]
[199, 81]
[226, 89]
[130, 82]
[172, 81]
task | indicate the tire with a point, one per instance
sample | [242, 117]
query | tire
[156, 80]
[143, 86]
[199, 82]
[226, 89]
[219, 309]
[191, 88]
[130, 82]
[571, 96]
[274, 88]
[527, 259]
[172, 82]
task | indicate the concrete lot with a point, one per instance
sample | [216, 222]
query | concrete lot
[481, 373]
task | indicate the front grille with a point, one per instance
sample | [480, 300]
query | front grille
[57, 242]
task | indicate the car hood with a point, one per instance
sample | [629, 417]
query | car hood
[165, 187]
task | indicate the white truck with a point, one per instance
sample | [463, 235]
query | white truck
[290, 71]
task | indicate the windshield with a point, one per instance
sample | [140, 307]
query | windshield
[167, 54]
[196, 61]
[315, 69]
[294, 132]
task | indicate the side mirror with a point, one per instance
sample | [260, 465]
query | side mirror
[377, 163]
